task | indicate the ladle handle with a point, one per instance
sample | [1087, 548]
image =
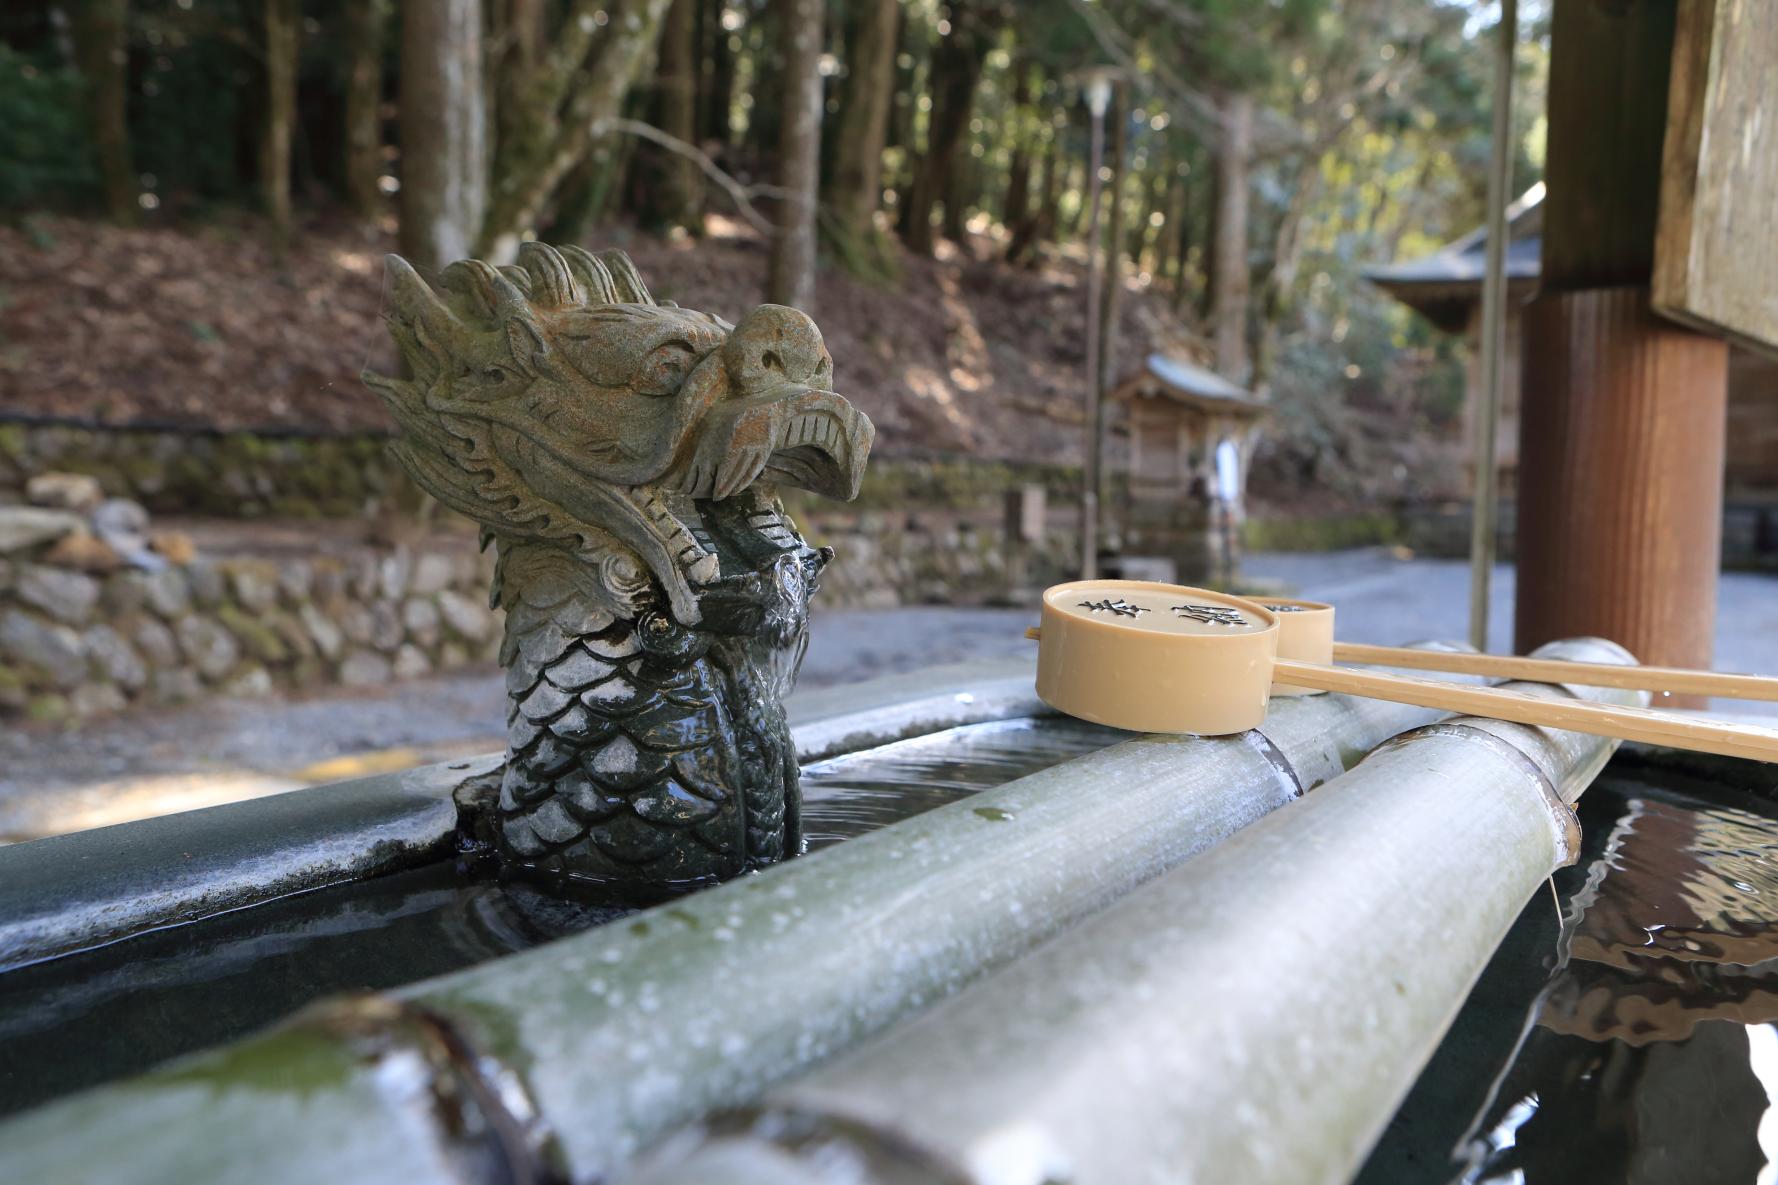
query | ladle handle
[1630, 724]
[1678, 680]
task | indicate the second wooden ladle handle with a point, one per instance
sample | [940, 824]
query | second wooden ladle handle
[1630, 724]
[1677, 680]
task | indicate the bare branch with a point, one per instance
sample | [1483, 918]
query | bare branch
[742, 195]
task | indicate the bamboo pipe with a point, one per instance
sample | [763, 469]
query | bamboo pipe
[624, 1032]
[1238, 1019]
[1673, 680]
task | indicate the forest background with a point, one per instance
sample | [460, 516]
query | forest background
[194, 196]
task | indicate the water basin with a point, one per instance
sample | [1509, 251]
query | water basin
[101, 1014]
[1627, 1030]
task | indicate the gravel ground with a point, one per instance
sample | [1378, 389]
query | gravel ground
[157, 762]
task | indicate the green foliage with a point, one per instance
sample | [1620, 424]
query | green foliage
[42, 141]
[194, 100]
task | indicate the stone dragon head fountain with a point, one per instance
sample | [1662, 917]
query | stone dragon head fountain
[623, 456]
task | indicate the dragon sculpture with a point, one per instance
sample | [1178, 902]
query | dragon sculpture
[623, 456]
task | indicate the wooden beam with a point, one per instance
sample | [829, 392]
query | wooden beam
[1607, 117]
[1716, 251]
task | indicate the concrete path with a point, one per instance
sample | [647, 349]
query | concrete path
[156, 762]
[1390, 601]
[152, 763]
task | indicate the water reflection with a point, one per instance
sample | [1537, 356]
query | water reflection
[1648, 1054]
[847, 796]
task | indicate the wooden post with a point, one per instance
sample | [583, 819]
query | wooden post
[1623, 415]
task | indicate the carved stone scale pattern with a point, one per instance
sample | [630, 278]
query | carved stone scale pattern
[623, 456]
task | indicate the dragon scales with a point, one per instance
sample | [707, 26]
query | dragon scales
[623, 456]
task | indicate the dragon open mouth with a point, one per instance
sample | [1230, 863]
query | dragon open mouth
[802, 437]
[722, 504]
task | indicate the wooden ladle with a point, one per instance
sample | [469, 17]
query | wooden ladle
[1156, 657]
[1306, 634]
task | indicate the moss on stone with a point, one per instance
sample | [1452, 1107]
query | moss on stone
[1321, 534]
[261, 640]
[48, 708]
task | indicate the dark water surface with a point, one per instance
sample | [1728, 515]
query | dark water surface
[1627, 1030]
[94, 1016]
[847, 796]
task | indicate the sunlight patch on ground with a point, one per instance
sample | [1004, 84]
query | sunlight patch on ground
[931, 386]
[104, 804]
[359, 263]
[124, 800]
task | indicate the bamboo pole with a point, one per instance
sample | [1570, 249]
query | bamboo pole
[569, 1058]
[1625, 723]
[1664, 680]
[1255, 1015]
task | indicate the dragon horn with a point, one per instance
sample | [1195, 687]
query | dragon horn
[421, 323]
[630, 288]
[552, 282]
[408, 298]
[595, 278]
[477, 287]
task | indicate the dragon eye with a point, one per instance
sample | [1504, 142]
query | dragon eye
[494, 374]
[663, 371]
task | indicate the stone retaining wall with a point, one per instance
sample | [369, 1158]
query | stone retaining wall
[220, 474]
[74, 644]
[888, 558]
[253, 475]
[271, 604]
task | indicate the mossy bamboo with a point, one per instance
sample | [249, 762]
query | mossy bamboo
[613, 1038]
[1254, 1015]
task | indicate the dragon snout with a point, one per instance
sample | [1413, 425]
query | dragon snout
[774, 345]
[780, 419]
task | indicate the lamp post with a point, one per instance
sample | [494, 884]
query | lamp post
[1096, 89]
[1484, 509]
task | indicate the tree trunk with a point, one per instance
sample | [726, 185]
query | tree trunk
[366, 22]
[1039, 224]
[1017, 206]
[101, 45]
[719, 88]
[792, 274]
[765, 46]
[1229, 279]
[677, 183]
[1180, 245]
[527, 24]
[863, 122]
[960, 192]
[443, 134]
[956, 70]
[1111, 305]
[281, 21]
[580, 85]
[1146, 235]
[518, 36]
[1287, 252]
[901, 116]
